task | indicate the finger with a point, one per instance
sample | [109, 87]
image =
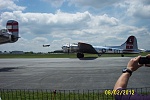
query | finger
[134, 59]
[148, 56]
[147, 65]
[140, 65]
[137, 58]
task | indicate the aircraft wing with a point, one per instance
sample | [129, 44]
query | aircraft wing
[86, 48]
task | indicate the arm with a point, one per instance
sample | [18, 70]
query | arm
[123, 79]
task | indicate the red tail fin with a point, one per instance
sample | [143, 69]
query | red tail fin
[129, 42]
[12, 26]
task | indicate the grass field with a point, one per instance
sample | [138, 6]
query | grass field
[71, 55]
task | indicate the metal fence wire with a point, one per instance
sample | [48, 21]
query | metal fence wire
[101, 94]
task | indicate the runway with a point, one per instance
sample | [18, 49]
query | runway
[68, 74]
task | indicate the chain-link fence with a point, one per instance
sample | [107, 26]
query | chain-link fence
[103, 94]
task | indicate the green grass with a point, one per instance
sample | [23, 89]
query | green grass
[71, 55]
[37, 56]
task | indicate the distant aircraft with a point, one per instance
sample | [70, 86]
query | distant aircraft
[130, 46]
[46, 45]
[10, 34]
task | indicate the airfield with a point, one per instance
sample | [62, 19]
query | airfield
[68, 73]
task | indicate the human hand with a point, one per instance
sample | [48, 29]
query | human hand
[133, 64]
[148, 65]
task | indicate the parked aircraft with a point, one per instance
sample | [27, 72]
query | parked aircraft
[70, 48]
[10, 34]
[130, 46]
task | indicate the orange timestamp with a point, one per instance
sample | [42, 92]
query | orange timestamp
[119, 92]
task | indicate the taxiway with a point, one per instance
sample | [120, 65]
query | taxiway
[66, 73]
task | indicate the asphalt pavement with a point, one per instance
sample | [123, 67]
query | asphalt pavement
[68, 73]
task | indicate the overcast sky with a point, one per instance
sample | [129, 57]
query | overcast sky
[57, 22]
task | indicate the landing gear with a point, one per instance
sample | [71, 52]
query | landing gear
[80, 55]
[99, 55]
[122, 55]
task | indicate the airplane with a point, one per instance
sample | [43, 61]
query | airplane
[70, 48]
[10, 34]
[130, 46]
[46, 45]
